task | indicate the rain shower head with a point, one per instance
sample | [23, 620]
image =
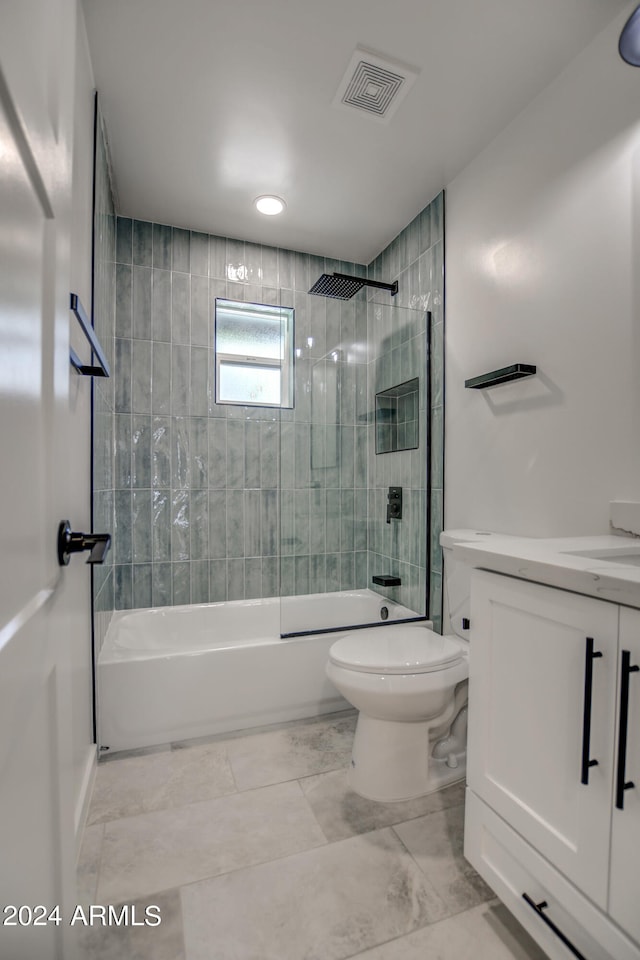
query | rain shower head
[341, 286]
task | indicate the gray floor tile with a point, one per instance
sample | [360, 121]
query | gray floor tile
[128, 942]
[436, 843]
[342, 813]
[259, 880]
[324, 904]
[167, 848]
[292, 752]
[160, 780]
[89, 864]
[487, 932]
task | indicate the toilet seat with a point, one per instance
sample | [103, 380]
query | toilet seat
[396, 650]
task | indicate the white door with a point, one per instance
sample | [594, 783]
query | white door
[37, 40]
[624, 899]
[527, 719]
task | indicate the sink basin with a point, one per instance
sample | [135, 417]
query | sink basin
[629, 555]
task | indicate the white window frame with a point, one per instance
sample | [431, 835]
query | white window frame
[285, 364]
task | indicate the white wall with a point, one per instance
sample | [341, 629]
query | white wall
[77, 584]
[542, 266]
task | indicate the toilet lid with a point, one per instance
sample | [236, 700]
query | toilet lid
[395, 650]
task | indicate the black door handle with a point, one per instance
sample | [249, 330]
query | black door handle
[621, 784]
[70, 542]
[587, 762]
[543, 905]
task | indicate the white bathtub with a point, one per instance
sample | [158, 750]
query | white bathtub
[174, 673]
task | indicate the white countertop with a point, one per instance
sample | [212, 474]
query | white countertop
[552, 561]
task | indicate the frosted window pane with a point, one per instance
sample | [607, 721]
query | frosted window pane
[244, 383]
[249, 330]
[261, 337]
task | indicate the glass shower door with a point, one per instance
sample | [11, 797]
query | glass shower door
[342, 447]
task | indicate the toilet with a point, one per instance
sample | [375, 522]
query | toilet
[409, 685]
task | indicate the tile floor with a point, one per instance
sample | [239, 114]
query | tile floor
[254, 848]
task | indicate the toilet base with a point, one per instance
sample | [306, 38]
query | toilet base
[390, 761]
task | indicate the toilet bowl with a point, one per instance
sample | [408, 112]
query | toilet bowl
[409, 685]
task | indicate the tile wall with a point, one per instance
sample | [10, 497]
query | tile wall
[198, 485]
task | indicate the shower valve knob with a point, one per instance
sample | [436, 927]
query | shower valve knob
[394, 504]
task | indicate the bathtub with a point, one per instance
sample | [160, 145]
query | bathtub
[176, 673]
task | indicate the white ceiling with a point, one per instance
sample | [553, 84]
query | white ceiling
[210, 103]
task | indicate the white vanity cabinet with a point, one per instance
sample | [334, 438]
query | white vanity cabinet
[544, 760]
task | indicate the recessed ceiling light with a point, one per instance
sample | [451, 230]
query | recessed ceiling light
[270, 205]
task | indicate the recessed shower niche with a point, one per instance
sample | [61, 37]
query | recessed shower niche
[398, 417]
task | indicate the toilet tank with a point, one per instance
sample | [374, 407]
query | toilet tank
[456, 580]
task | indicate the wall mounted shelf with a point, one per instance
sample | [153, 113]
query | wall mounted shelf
[87, 370]
[516, 371]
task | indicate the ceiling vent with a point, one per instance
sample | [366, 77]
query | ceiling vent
[374, 84]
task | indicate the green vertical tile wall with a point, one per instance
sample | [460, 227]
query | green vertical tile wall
[200, 487]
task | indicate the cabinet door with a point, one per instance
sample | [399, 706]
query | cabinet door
[624, 899]
[527, 719]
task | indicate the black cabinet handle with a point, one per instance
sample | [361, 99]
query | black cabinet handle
[622, 784]
[587, 762]
[543, 905]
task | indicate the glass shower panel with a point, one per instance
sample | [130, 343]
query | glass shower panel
[334, 534]
[103, 474]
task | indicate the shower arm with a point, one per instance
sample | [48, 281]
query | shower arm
[391, 287]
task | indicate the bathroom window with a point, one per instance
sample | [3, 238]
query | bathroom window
[254, 354]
